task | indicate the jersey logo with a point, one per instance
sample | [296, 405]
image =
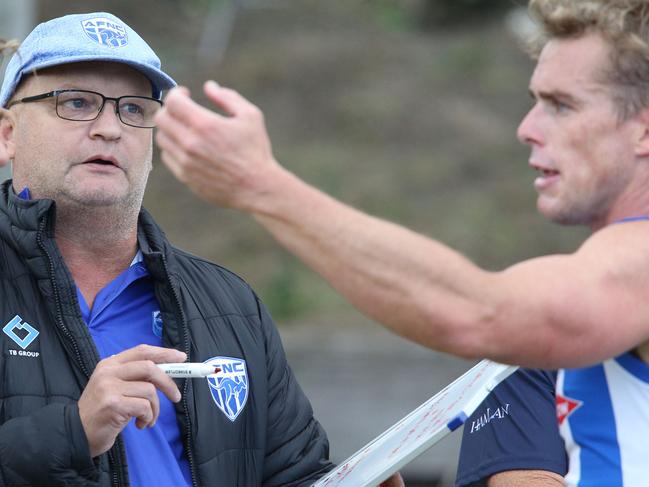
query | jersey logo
[229, 388]
[489, 415]
[156, 324]
[27, 332]
[565, 407]
[105, 31]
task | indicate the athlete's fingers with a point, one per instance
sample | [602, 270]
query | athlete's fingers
[187, 173]
[175, 129]
[180, 106]
[169, 142]
[228, 100]
[186, 143]
[173, 165]
[184, 90]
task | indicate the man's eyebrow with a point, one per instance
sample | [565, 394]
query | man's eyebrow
[67, 85]
[553, 96]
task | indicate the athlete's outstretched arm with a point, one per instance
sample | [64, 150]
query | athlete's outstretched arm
[548, 312]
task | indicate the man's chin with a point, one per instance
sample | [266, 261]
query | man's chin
[551, 209]
[560, 214]
[97, 198]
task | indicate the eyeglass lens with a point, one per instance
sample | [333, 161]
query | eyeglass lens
[82, 106]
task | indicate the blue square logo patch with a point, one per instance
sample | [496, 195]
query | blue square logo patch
[21, 332]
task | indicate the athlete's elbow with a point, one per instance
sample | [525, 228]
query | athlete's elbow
[469, 333]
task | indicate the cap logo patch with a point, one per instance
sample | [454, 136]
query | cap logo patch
[105, 31]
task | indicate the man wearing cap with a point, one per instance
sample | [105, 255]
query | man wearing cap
[93, 295]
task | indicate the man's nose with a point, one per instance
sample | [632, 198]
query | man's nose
[528, 131]
[107, 124]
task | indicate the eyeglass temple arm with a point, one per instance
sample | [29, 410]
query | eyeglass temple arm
[32, 98]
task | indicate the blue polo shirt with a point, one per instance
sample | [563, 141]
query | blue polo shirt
[125, 314]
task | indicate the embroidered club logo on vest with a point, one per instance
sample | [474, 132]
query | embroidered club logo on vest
[105, 31]
[27, 332]
[229, 388]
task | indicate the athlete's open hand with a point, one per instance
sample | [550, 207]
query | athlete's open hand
[123, 387]
[226, 159]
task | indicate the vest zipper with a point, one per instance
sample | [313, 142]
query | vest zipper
[57, 299]
[113, 463]
[188, 436]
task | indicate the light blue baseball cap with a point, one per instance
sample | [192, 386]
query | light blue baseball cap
[98, 36]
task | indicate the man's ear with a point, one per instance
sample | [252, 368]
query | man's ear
[7, 146]
[642, 142]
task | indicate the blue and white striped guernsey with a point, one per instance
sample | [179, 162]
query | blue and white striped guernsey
[603, 414]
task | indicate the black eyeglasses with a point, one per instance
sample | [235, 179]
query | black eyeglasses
[84, 106]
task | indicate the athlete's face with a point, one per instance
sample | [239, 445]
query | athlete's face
[584, 154]
[93, 163]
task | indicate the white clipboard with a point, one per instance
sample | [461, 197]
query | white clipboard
[422, 428]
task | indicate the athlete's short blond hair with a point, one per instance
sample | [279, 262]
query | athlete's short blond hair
[624, 24]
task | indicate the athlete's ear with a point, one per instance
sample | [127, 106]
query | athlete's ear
[7, 146]
[642, 140]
